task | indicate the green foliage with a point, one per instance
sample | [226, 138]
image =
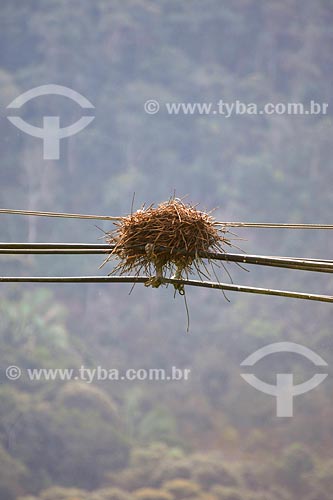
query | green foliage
[159, 423]
[80, 396]
[324, 475]
[173, 468]
[111, 494]
[27, 497]
[56, 443]
[56, 493]
[297, 461]
[147, 467]
[33, 334]
[212, 470]
[34, 322]
[182, 488]
[84, 435]
[155, 423]
[12, 473]
[225, 493]
[152, 494]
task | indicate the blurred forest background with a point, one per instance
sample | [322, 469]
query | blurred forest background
[212, 437]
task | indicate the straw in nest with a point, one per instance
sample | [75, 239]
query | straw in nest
[165, 241]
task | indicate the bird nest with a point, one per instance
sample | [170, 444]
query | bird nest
[169, 240]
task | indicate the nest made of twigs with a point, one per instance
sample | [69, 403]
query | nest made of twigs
[167, 240]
